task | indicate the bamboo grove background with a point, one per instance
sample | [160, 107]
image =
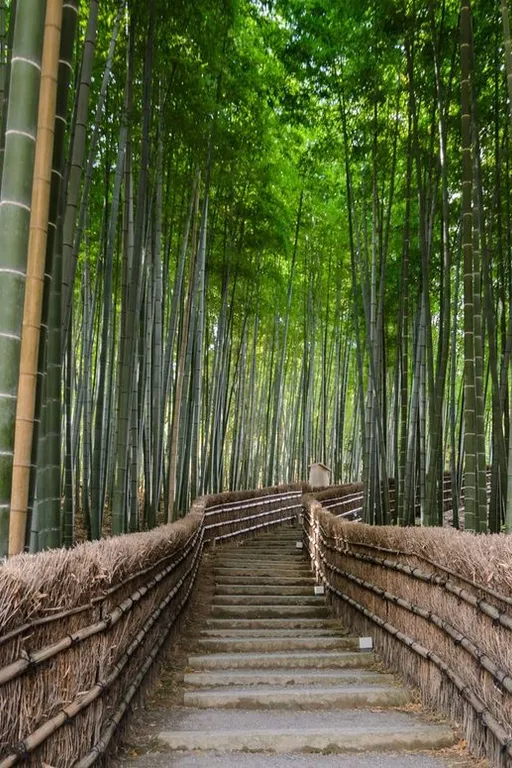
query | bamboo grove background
[237, 237]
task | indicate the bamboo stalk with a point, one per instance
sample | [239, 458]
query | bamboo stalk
[35, 278]
[15, 204]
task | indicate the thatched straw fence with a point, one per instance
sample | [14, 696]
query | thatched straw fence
[81, 629]
[438, 603]
[345, 501]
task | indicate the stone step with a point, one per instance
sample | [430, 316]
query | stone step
[290, 556]
[275, 542]
[273, 536]
[267, 600]
[272, 545]
[268, 644]
[261, 568]
[298, 697]
[283, 660]
[300, 731]
[250, 563]
[267, 574]
[290, 623]
[280, 556]
[288, 677]
[251, 580]
[287, 760]
[290, 633]
[263, 589]
[269, 611]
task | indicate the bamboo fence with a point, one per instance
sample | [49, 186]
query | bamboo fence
[438, 603]
[82, 630]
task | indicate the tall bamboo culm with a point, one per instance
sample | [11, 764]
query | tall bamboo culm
[15, 206]
[35, 278]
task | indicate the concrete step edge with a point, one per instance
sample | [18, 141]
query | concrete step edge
[314, 740]
[298, 697]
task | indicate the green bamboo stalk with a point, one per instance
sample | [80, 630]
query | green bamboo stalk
[6, 76]
[128, 353]
[53, 248]
[78, 153]
[15, 204]
[71, 250]
[470, 479]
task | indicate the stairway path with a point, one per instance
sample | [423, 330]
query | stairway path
[276, 681]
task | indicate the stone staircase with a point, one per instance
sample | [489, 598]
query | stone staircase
[278, 682]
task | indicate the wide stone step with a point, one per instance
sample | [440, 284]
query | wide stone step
[263, 589]
[290, 633]
[268, 600]
[287, 558]
[267, 760]
[284, 566]
[269, 611]
[299, 731]
[294, 622]
[265, 543]
[261, 568]
[271, 545]
[268, 644]
[299, 697]
[287, 677]
[283, 660]
[257, 563]
[251, 580]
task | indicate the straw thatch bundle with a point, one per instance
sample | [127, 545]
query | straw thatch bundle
[337, 491]
[70, 653]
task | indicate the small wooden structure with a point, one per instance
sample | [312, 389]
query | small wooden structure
[319, 475]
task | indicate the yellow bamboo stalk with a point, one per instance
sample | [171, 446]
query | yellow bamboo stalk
[35, 277]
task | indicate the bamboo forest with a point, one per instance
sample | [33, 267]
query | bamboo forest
[241, 236]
